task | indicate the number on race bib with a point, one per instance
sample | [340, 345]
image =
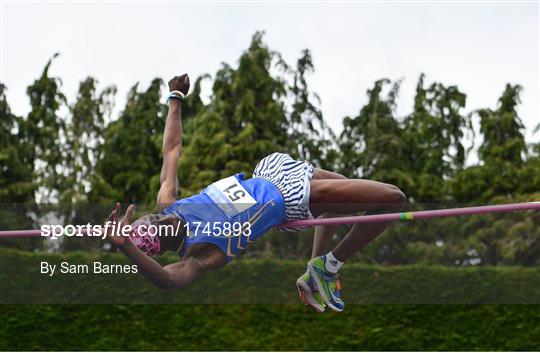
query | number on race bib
[230, 196]
[234, 195]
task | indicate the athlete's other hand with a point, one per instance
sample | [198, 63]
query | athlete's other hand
[113, 235]
[179, 83]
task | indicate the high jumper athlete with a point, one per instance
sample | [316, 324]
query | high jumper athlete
[213, 226]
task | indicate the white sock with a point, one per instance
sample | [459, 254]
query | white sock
[332, 264]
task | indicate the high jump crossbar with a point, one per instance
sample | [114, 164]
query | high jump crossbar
[379, 218]
[407, 216]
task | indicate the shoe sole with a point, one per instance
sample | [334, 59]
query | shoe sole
[305, 296]
[313, 274]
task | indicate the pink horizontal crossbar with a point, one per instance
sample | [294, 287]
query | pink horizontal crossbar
[19, 233]
[386, 217]
[401, 216]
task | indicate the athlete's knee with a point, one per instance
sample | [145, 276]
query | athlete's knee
[395, 196]
[340, 176]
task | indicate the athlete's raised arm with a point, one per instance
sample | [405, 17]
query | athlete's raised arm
[172, 144]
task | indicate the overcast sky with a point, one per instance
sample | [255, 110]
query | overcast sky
[479, 46]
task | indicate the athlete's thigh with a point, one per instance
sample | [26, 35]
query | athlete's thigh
[326, 174]
[351, 195]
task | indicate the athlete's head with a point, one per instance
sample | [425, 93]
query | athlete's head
[154, 234]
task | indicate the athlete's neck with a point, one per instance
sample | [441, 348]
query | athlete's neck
[174, 237]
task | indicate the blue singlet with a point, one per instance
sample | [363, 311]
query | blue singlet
[248, 208]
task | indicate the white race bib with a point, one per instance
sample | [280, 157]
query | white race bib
[230, 196]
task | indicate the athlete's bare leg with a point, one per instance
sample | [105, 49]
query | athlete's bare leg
[346, 196]
[323, 234]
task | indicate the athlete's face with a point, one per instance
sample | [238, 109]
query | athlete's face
[157, 233]
[163, 221]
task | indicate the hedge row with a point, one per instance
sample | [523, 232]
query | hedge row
[261, 282]
[262, 326]
[269, 327]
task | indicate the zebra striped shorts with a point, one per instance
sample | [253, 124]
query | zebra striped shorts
[293, 179]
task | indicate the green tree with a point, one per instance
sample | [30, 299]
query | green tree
[17, 185]
[433, 135]
[131, 161]
[84, 139]
[501, 153]
[16, 172]
[502, 130]
[371, 145]
[82, 151]
[310, 138]
[529, 171]
[43, 130]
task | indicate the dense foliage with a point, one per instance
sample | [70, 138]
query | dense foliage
[77, 155]
[256, 317]
[240, 283]
[270, 327]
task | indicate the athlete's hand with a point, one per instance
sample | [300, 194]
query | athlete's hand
[179, 83]
[114, 236]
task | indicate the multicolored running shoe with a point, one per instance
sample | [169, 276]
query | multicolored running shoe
[309, 294]
[327, 283]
